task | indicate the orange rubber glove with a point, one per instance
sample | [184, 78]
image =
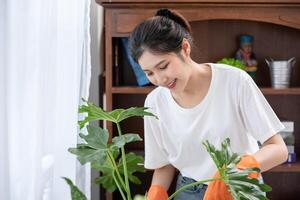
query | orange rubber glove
[249, 161]
[218, 190]
[157, 192]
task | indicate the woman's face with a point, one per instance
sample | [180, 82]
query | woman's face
[166, 70]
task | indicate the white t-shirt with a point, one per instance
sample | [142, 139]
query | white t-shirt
[233, 107]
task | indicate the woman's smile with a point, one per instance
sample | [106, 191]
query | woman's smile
[172, 84]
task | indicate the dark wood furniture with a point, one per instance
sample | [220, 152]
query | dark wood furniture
[216, 24]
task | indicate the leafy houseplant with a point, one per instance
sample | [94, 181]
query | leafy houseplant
[103, 155]
[241, 186]
[118, 168]
[233, 62]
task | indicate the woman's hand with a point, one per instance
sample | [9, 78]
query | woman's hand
[218, 190]
[157, 192]
[161, 181]
[272, 153]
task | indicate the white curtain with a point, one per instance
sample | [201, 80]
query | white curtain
[45, 70]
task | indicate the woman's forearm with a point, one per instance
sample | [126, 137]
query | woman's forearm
[163, 176]
[272, 153]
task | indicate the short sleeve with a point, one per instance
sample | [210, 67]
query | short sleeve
[155, 154]
[259, 118]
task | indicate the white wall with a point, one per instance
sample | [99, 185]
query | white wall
[97, 66]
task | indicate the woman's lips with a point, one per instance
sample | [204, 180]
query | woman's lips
[172, 84]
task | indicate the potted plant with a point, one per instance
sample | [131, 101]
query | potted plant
[233, 62]
[118, 168]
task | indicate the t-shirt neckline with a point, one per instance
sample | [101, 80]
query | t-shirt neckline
[202, 103]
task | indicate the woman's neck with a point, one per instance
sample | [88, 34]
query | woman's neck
[197, 86]
[200, 74]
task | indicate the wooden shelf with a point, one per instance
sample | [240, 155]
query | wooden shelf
[275, 27]
[132, 90]
[286, 91]
[196, 1]
[293, 167]
[147, 89]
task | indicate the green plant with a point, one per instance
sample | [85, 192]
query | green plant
[118, 168]
[233, 62]
[109, 158]
[76, 194]
[241, 186]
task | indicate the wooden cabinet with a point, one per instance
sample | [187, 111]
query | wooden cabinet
[216, 24]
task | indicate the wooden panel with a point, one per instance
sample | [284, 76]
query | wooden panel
[216, 39]
[132, 90]
[275, 26]
[124, 21]
[287, 91]
[270, 41]
[148, 89]
[198, 1]
[108, 68]
[287, 167]
[285, 186]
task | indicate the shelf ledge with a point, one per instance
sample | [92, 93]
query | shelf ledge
[132, 90]
[287, 167]
[285, 91]
[147, 89]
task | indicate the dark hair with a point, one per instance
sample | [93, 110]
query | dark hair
[160, 34]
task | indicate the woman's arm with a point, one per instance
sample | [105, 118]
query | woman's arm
[272, 153]
[163, 176]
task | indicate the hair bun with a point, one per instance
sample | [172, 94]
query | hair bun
[164, 12]
[176, 17]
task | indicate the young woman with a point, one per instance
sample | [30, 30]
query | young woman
[196, 102]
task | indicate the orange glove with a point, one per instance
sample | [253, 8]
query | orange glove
[248, 161]
[157, 192]
[218, 190]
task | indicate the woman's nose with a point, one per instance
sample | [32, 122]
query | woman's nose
[161, 80]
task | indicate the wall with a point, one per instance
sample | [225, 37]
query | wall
[96, 30]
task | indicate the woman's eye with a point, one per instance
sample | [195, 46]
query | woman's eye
[149, 74]
[164, 67]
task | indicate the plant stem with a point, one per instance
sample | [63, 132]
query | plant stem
[192, 184]
[114, 165]
[124, 165]
[119, 187]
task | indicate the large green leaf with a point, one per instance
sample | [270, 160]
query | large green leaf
[96, 138]
[76, 194]
[116, 116]
[134, 164]
[107, 182]
[87, 154]
[242, 187]
[106, 179]
[96, 147]
[133, 111]
[93, 113]
[120, 141]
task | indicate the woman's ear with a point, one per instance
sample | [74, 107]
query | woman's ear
[186, 47]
